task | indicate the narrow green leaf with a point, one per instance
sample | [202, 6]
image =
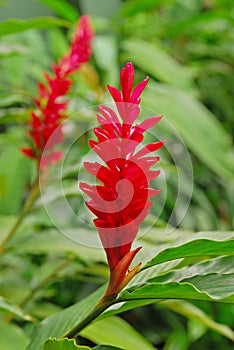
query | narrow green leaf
[177, 341]
[12, 162]
[200, 247]
[106, 347]
[9, 98]
[8, 306]
[12, 337]
[105, 49]
[217, 285]
[63, 9]
[158, 240]
[192, 312]
[6, 222]
[125, 306]
[155, 61]
[117, 332]
[44, 242]
[57, 325]
[62, 344]
[223, 265]
[57, 42]
[132, 7]
[69, 344]
[187, 290]
[199, 128]
[12, 26]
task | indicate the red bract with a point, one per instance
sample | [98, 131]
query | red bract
[121, 203]
[51, 104]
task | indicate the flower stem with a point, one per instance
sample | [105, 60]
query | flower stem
[33, 194]
[98, 309]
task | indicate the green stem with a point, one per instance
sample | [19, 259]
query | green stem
[33, 194]
[101, 306]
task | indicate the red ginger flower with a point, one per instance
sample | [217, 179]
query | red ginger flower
[50, 104]
[121, 203]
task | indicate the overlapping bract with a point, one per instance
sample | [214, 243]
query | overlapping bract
[121, 202]
[50, 103]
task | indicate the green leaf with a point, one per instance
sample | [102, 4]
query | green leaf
[12, 26]
[105, 50]
[199, 128]
[106, 347]
[11, 115]
[44, 242]
[155, 61]
[62, 9]
[58, 43]
[9, 98]
[177, 341]
[115, 331]
[69, 344]
[217, 285]
[223, 265]
[215, 288]
[57, 325]
[12, 162]
[62, 344]
[196, 248]
[6, 222]
[8, 306]
[12, 336]
[125, 306]
[194, 313]
[132, 7]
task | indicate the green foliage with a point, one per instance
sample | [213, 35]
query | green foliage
[160, 65]
[64, 344]
[12, 26]
[59, 324]
[194, 313]
[196, 248]
[115, 331]
[62, 9]
[12, 336]
[190, 117]
[12, 163]
[8, 306]
[68, 344]
[183, 296]
[203, 282]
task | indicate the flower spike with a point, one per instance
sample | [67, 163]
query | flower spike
[51, 104]
[121, 203]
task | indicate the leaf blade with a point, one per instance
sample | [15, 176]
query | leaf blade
[184, 290]
[57, 325]
[62, 9]
[196, 248]
[159, 64]
[117, 332]
[13, 26]
[62, 344]
[192, 118]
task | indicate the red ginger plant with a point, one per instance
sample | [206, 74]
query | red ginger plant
[51, 105]
[122, 202]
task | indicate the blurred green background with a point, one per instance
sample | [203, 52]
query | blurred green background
[187, 49]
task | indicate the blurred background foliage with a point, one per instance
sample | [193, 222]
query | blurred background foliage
[186, 47]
